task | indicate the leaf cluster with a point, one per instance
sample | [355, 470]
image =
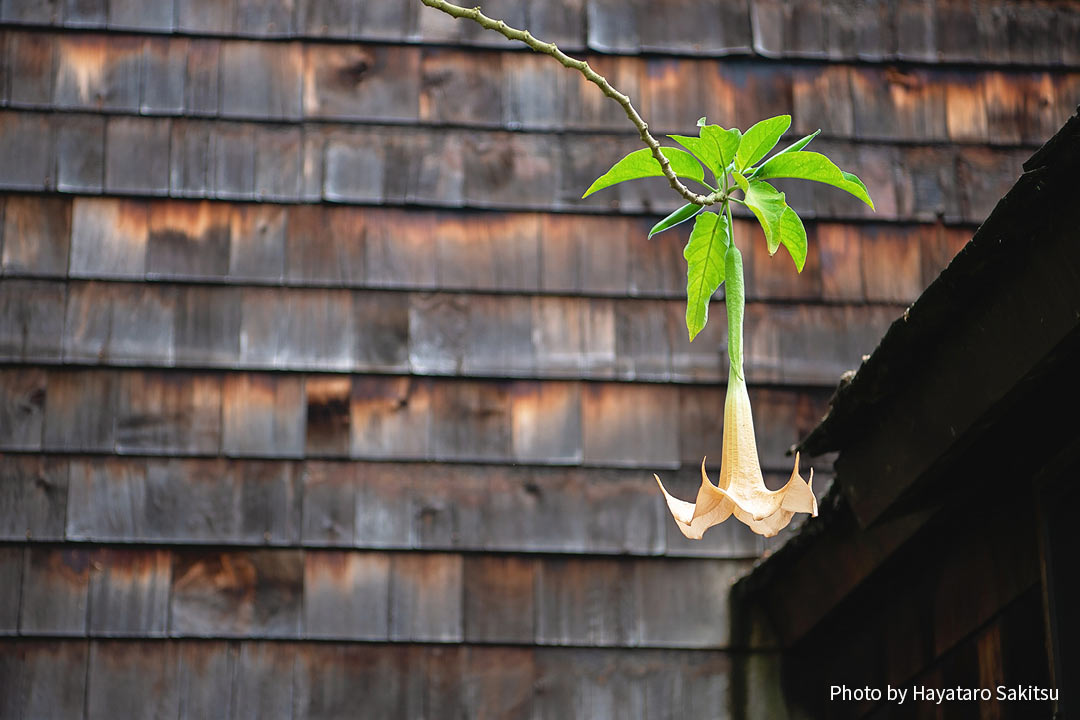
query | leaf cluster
[738, 165]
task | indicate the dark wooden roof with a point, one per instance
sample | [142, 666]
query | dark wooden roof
[320, 387]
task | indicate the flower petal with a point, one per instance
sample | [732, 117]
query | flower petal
[712, 507]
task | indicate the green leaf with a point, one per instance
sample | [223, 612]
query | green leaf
[793, 237]
[799, 144]
[813, 166]
[740, 181]
[768, 205]
[641, 164]
[735, 298]
[681, 215]
[715, 148]
[704, 255]
[760, 139]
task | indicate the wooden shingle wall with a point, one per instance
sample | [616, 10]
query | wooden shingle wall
[323, 394]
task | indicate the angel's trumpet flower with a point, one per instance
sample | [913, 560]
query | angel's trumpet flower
[741, 489]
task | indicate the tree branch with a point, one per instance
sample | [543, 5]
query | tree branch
[583, 67]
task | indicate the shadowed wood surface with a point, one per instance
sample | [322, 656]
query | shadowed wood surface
[323, 393]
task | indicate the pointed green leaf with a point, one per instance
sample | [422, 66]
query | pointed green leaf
[740, 181]
[760, 139]
[704, 255]
[641, 164]
[793, 237]
[800, 143]
[813, 166]
[701, 121]
[681, 215]
[715, 148]
[768, 205]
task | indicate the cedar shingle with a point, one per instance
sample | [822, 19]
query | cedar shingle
[657, 266]
[278, 163]
[80, 410]
[355, 167]
[31, 320]
[202, 77]
[898, 105]
[54, 591]
[263, 685]
[503, 169]
[891, 265]
[265, 18]
[80, 71]
[263, 415]
[257, 242]
[11, 567]
[643, 338]
[328, 415]
[326, 245]
[80, 154]
[823, 100]
[693, 616]
[558, 329]
[840, 254]
[361, 82]
[33, 497]
[499, 336]
[391, 417]
[471, 420]
[27, 152]
[189, 159]
[167, 412]
[132, 679]
[382, 327]
[630, 425]
[261, 80]
[107, 500]
[214, 17]
[206, 678]
[129, 592]
[206, 327]
[590, 601]
[109, 323]
[459, 87]
[546, 419]
[333, 680]
[189, 240]
[613, 26]
[328, 18]
[346, 595]
[135, 15]
[499, 599]
[231, 167]
[28, 666]
[257, 592]
[397, 249]
[426, 597]
[164, 65]
[29, 60]
[383, 506]
[137, 155]
[532, 95]
[915, 31]
[298, 328]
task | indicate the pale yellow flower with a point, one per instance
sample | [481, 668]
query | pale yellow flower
[741, 489]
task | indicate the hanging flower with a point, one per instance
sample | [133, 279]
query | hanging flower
[741, 489]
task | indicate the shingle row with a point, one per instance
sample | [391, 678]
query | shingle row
[485, 169]
[367, 595]
[387, 84]
[288, 415]
[200, 326]
[139, 500]
[186, 679]
[366, 247]
[940, 31]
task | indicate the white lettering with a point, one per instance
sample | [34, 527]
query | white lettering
[896, 694]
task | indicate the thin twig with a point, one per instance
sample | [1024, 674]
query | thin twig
[583, 67]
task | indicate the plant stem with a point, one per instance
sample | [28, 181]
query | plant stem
[734, 292]
[600, 81]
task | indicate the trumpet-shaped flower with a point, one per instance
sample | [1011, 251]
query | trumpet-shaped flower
[741, 489]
